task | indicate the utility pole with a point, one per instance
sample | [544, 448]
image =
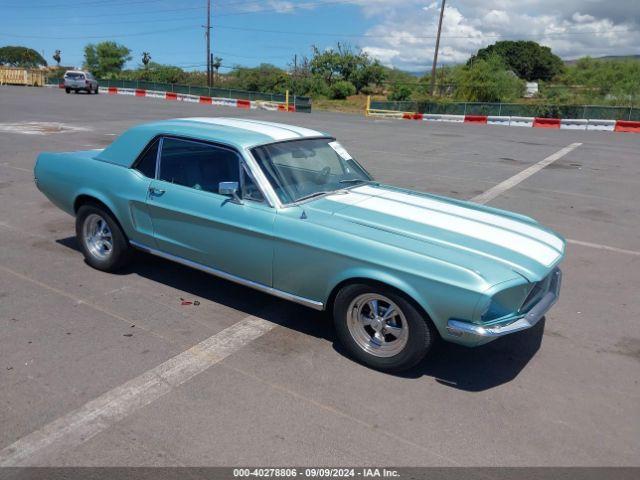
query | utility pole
[435, 55]
[208, 35]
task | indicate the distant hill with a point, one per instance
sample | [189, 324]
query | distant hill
[608, 57]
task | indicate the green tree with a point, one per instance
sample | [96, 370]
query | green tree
[527, 59]
[16, 56]
[487, 80]
[106, 59]
[345, 64]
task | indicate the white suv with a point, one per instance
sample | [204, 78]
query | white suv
[78, 80]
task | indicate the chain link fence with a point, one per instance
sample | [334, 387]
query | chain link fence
[302, 104]
[512, 109]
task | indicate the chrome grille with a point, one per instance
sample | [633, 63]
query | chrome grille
[536, 293]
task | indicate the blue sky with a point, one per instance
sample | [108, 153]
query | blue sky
[398, 32]
[178, 37]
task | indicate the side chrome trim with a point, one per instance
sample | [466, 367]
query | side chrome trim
[232, 278]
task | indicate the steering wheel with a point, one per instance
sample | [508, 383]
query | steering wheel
[322, 176]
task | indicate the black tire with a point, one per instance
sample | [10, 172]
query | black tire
[97, 91]
[119, 253]
[421, 335]
[68, 90]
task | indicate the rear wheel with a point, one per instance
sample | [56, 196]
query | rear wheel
[381, 328]
[68, 90]
[103, 243]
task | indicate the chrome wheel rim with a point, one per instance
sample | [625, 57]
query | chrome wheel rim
[377, 325]
[97, 237]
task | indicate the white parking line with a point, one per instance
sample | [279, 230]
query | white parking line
[6, 164]
[99, 414]
[523, 175]
[603, 247]
[526, 173]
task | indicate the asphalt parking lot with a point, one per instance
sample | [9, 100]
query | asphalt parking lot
[565, 393]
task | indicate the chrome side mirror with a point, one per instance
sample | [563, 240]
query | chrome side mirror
[229, 189]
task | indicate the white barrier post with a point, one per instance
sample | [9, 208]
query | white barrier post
[573, 124]
[604, 125]
[498, 120]
[521, 122]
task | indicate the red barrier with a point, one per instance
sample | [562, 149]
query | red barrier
[113, 91]
[140, 92]
[475, 119]
[171, 96]
[540, 122]
[627, 126]
[292, 108]
[61, 85]
[412, 116]
[243, 103]
[205, 100]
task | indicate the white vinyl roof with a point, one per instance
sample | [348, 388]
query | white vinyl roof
[276, 131]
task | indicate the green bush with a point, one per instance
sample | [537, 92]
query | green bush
[399, 93]
[342, 89]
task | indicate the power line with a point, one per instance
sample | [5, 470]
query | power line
[120, 14]
[331, 34]
[111, 4]
[201, 7]
[139, 34]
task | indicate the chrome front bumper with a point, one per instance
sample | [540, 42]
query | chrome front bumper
[459, 328]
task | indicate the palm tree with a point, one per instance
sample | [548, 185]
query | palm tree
[215, 64]
[56, 57]
[146, 57]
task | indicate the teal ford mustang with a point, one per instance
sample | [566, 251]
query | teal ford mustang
[288, 211]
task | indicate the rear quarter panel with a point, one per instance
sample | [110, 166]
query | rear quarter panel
[64, 177]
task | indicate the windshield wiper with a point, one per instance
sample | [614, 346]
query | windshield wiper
[353, 180]
[315, 194]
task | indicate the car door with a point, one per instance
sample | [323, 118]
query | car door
[191, 220]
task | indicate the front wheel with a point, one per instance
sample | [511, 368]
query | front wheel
[68, 90]
[103, 243]
[381, 328]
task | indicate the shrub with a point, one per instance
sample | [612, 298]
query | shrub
[399, 92]
[342, 89]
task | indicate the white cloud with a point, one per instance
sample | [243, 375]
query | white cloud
[405, 34]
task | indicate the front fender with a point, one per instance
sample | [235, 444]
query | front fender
[439, 301]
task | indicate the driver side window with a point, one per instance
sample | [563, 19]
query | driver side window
[198, 165]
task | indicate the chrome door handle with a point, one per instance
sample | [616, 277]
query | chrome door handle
[156, 191]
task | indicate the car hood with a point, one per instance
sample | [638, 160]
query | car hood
[482, 239]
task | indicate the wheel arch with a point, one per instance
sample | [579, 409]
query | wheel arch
[398, 286]
[86, 198]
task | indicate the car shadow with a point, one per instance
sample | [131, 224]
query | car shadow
[470, 369]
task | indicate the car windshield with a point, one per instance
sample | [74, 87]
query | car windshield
[75, 76]
[308, 168]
